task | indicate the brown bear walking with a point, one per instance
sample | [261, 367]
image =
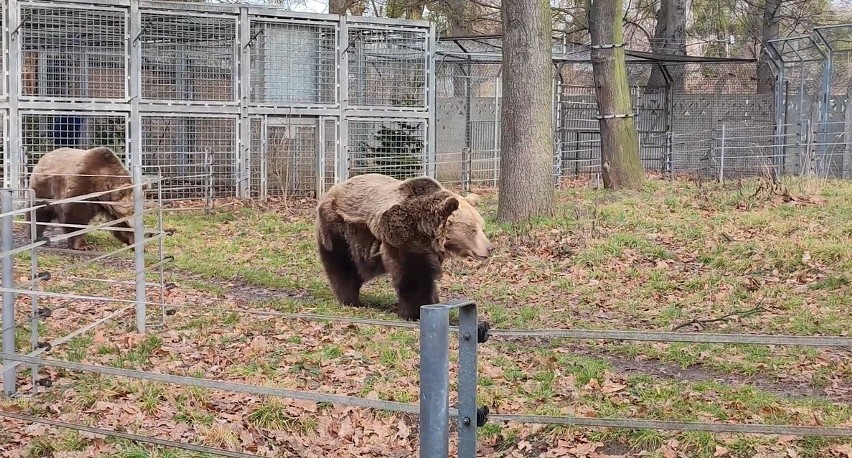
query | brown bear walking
[373, 224]
[70, 172]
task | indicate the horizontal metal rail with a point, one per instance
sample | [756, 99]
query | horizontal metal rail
[241, 388]
[65, 339]
[630, 423]
[126, 436]
[75, 199]
[581, 334]
[661, 336]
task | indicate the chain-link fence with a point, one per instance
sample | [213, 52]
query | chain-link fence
[693, 114]
[814, 88]
[221, 100]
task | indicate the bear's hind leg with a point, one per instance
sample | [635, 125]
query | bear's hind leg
[79, 214]
[44, 214]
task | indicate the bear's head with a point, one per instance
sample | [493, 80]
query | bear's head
[436, 222]
[464, 231]
[119, 204]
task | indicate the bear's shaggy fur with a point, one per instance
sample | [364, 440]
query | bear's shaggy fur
[70, 172]
[373, 224]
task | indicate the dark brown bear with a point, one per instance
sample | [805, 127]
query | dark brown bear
[70, 172]
[373, 224]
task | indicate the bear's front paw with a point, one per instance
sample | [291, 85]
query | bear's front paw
[408, 313]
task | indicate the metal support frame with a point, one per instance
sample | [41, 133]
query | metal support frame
[342, 50]
[777, 65]
[243, 80]
[9, 328]
[435, 383]
[139, 250]
[16, 157]
[431, 101]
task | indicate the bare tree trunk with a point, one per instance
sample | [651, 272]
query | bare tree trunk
[669, 38]
[355, 7]
[771, 28]
[846, 161]
[336, 6]
[620, 163]
[526, 159]
[409, 9]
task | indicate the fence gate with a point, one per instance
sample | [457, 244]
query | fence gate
[292, 155]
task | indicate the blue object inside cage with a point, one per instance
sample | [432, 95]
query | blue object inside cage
[67, 130]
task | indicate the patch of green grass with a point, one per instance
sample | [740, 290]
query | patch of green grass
[139, 355]
[271, 414]
[583, 369]
[42, 446]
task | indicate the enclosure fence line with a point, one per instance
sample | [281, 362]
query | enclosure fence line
[30, 206]
[124, 435]
[434, 410]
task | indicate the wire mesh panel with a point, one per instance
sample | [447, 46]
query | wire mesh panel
[257, 157]
[44, 132]
[4, 150]
[391, 147]
[329, 137]
[188, 58]
[4, 25]
[293, 63]
[195, 154]
[73, 53]
[387, 67]
[578, 129]
[289, 156]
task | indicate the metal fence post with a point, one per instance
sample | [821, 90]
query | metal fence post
[668, 166]
[466, 165]
[435, 378]
[8, 241]
[467, 419]
[434, 381]
[139, 250]
[722, 157]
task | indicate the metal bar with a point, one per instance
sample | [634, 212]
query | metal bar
[630, 423]
[87, 4]
[466, 166]
[46, 104]
[342, 53]
[652, 336]
[16, 152]
[243, 78]
[66, 338]
[434, 381]
[8, 241]
[139, 250]
[221, 385]
[66, 235]
[76, 199]
[34, 312]
[363, 112]
[256, 109]
[468, 342]
[126, 436]
[722, 157]
[826, 101]
[431, 94]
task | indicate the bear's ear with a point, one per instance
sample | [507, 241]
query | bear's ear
[447, 207]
